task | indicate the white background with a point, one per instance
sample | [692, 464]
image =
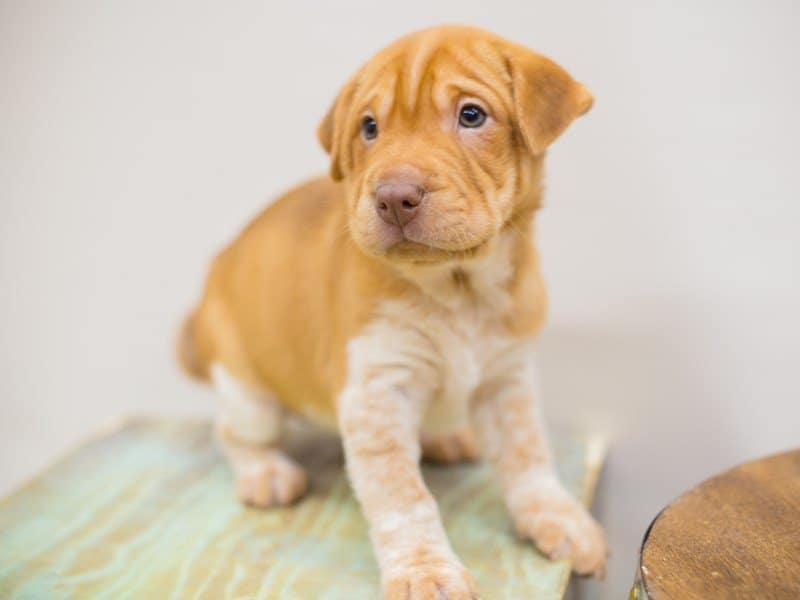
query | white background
[137, 137]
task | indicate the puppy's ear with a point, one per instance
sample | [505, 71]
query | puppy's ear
[546, 98]
[331, 131]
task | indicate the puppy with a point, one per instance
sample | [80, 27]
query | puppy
[397, 300]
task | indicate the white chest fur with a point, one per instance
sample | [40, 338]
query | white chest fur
[443, 344]
[470, 348]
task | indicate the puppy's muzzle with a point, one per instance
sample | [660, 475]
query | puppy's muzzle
[398, 202]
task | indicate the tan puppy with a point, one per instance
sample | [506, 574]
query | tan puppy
[397, 300]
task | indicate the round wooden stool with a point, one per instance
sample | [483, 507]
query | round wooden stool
[736, 535]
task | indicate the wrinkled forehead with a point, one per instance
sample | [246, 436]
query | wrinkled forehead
[422, 74]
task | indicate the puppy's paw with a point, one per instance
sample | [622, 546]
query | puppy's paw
[451, 447]
[430, 580]
[562, 528]
[272, 481]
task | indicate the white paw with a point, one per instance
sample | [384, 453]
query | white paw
[430, 578]
[273, 481]
[562, 528]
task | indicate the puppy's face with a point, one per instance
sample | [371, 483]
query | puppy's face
[437, 138]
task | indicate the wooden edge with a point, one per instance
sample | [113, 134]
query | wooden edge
[639, 589]
[596, 450]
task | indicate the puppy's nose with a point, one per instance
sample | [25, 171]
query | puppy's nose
[397, 202]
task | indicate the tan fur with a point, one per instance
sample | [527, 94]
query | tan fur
[186, 351]
[320, 303]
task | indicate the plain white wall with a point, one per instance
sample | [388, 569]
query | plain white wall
[137, 137]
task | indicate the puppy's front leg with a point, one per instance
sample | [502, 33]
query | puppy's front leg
[379, 418]
[514, 440]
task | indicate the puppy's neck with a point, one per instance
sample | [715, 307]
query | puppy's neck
[485, 281]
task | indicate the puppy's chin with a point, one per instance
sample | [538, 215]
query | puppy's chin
[391, 244]
[421, 254]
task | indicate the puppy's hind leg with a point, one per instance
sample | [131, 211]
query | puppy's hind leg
[248, 430]
[450, 447]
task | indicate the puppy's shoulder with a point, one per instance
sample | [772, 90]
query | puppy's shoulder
[307, 204]
[528, 294]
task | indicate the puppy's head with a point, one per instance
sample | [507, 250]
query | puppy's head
[438, 137]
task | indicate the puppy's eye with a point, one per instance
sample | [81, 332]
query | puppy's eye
[471, 116]
[369, 128]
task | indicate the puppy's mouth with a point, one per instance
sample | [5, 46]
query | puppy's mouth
[422, 253]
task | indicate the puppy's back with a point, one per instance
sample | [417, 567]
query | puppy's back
[270, 296]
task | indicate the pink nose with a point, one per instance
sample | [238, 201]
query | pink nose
[397, 202]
